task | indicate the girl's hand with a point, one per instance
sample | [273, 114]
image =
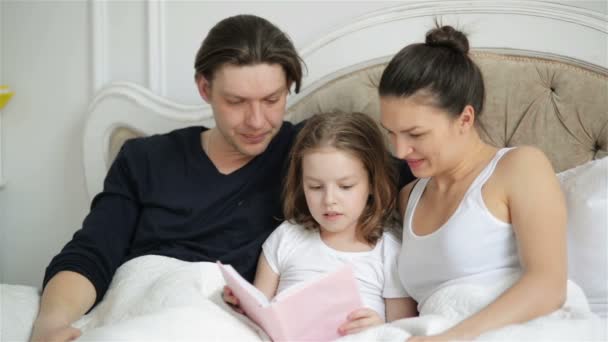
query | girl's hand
[360, 320]
[231, 300]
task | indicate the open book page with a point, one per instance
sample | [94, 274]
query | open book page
[253, 302]
[312, 310]
[315, 311]
[242, 287]
[341, 274]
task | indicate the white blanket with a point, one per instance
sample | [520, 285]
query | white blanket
[452, 304]
[156, 298]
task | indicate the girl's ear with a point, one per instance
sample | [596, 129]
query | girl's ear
[204, 88]
[466, 120]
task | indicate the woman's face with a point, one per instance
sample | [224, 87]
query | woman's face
[421, 134]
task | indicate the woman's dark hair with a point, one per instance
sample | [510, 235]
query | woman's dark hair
[248, 40]
[440, 68]
[359, 135]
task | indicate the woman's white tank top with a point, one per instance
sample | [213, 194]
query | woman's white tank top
[472, 246]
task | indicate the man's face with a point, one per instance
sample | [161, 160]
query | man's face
[248, 104]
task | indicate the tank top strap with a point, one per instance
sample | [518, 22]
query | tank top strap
[485, 174]
[412, 202]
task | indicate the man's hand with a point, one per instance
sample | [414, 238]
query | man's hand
[231, 300]
[65, 299]
[360, 320]
[52, 330]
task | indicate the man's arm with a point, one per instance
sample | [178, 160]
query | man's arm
[78, 277]
[66, 297]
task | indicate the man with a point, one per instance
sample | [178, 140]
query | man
[194, 194]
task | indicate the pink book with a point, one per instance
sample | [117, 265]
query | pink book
[310, 311]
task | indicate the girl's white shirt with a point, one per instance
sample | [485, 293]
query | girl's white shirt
[297, 255]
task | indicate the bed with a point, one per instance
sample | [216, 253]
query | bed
[550, 93]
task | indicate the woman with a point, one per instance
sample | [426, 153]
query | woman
[477, 214]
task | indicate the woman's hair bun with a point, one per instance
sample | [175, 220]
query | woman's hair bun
[449, 37]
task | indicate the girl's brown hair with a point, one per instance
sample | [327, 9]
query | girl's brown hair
[354, 133]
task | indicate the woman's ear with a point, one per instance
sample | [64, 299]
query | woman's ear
[466, 120]
[204, 87]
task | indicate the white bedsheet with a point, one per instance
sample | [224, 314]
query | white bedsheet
[18, 309]
[154, 298]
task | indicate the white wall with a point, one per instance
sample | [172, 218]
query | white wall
[45, 60]
[55, 55]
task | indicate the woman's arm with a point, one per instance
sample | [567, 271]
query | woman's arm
[66, 297]
[397, 308]
[538, 214]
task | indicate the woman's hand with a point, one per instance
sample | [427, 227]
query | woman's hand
[231, 300]
[360, 320]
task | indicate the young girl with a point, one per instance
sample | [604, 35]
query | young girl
[338, 197]
[478, 214]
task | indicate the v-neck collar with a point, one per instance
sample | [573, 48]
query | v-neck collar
[203, 159]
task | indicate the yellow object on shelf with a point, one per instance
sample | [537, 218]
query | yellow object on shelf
[5, 95]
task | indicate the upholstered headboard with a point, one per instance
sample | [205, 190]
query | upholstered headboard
[554, 96]
[560, 107]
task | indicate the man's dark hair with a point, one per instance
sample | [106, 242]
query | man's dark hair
[248, 40]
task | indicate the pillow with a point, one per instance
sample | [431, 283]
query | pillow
[586, 188]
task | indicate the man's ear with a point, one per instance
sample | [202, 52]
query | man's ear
[204, 87]
[466, 120]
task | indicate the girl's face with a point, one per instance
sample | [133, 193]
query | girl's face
[421, 134]
[336, 187]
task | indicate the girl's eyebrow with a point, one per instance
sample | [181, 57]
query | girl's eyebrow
[319, 180]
